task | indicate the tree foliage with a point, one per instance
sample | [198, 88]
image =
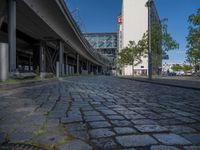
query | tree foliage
[184, 67]
[187, 68]
[193, 39]
[177, 67]
[162, 41]
[132, 54]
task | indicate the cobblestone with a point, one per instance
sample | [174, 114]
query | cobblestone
[171, 139]
[151, 128]
[192, 147]
[124, 130]
[163, 147]
[75, 145]
[105, 143]
[98, 112]
[194, 138]
[99, 133]
[135, 140]
[99, 124]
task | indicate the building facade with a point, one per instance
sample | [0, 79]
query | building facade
[132, 24]
[105, 43]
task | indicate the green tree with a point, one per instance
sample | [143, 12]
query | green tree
[193, 39]
[161, 41]
[186, 68]
[177, 67]
[132, 54]
[168, 43]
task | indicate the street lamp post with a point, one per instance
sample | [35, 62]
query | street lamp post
[149, 4]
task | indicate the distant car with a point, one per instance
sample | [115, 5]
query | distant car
[171, 74]
[180, 73]
[188, 73]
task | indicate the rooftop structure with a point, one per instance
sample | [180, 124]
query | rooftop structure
[104, 43]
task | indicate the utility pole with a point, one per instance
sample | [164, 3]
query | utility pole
[150, 69]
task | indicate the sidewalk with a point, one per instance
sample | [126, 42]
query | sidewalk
[189, 84]
[23, 83]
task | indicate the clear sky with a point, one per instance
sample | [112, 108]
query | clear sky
[101, 16]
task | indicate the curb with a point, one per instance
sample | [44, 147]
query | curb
[161, 83]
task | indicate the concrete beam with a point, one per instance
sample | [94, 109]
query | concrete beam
[12, 34]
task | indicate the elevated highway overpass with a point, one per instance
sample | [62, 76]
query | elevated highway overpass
[41, 33]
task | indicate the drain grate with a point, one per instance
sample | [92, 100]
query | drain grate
[19, 147]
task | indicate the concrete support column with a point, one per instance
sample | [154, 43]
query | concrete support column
[29, 63]
[4, 69]
[61, 53]
[3, 9]
[92, 68]
[99, 70]
[12, 34]
[42, 60]
[88, 67]
[77, 63]
[1, 20]
[66, 65]
[36, 58]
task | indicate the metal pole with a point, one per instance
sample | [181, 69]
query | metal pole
[149, 3]
[12, 34]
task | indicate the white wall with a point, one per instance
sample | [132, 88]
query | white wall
[135, 24]
[135, 20]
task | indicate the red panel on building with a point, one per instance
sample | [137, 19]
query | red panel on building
[119, 20]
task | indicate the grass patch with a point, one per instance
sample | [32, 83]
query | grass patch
[65, 140]
[40, 131]
[10, 81]
[16, 81]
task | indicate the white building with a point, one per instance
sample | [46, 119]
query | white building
[132, 25]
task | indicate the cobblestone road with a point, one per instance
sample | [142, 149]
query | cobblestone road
[82, 113]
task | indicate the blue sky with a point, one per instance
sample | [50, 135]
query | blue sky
[101, 16]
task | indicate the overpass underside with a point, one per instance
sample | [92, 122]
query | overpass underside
[43, 37]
